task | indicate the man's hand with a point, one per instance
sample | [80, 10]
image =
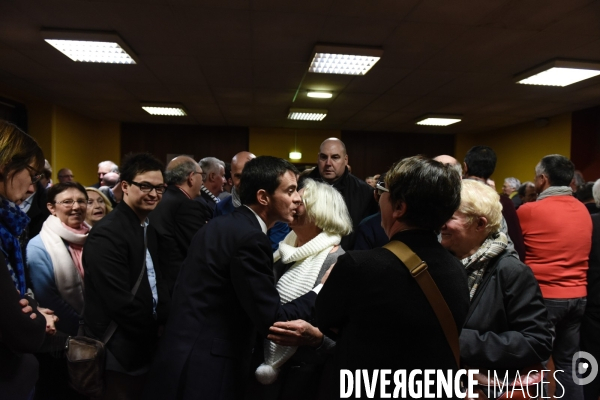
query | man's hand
[295, 333]
[51, 319]
[327, 274]
[27, 308]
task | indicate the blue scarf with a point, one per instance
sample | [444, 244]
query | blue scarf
[13, 222]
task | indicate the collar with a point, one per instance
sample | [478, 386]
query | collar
[263, 226]
[183, 191]
[209, 194]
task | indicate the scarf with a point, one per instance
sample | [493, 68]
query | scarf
[556, 191]
[209, 194]
[298, 280]
[68, 270]
[235, 197]
[13, 222]
[477, 263]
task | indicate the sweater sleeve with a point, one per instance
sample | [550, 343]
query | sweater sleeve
[18, 331]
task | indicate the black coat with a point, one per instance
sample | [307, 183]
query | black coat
[38, 212]
[176, 219]
[507, 326]
[224, 293]
[113, 258]
[384, 318]
[359, 199]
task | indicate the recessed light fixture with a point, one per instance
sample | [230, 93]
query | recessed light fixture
[319, 94]
[172, 110]
[559, 73]
[94, 47]
[344, 60]
[307, 114]
[438, 120]
[295, 155]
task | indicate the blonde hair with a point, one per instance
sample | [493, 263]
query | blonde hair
[479, 200]
[107, 202]
[326, 207]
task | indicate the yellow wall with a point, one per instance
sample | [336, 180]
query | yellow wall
[519, 148]
[280, 142]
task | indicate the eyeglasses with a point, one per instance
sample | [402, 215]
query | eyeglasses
[35, 178]
[147, 188]
[380, 189]
[100, 201]
[69, 203]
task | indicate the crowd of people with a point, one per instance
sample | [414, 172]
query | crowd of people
[253, 280]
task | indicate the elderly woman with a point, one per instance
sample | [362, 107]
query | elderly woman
[384, 319]
[98, 206]
[507, 328]
[301, 261]
[22, 327]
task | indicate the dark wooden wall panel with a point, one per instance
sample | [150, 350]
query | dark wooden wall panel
[200, 141]
[371, 153]
[585, 142]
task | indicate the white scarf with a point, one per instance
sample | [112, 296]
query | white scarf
[298, 280]
[555, 191]
[67, 278]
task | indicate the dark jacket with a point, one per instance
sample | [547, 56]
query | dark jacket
[113, 258]
[507, 326]
[38, 212]
[176, 219]
[370, 233]
[359, 199]
[224, 294]
[384, 319]
[514, 227]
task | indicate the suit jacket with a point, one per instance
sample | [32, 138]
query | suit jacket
[224, 293]
[113, 258]
[176, 219]
[370, 233]
[359, 199]
[383, 316]
[208, 201]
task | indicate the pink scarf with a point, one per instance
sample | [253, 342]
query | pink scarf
[76, 250]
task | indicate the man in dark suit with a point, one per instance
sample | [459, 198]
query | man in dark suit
[225, 292]
[214, 179]
[123, 247]
[178, 217]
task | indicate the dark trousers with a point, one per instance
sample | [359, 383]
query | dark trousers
[565, 317]
[590, 342]
[120, 386]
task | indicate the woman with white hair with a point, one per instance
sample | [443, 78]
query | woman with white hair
[301, 261]
[507, 328]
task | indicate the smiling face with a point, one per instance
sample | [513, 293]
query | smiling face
[284, 202]
[142, 203]
[461, 236]
[17, 186]
[72, 216]
[96, 209]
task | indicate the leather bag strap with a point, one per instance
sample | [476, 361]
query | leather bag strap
[418, 270]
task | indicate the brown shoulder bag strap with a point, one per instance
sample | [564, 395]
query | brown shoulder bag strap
[418, 269]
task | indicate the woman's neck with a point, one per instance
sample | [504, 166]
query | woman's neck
[305, 234]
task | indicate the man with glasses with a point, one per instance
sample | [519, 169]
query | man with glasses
[178, 217]
[65, 175]
[122, 248]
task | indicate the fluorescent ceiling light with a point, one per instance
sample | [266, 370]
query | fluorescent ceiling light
[438, 120]
[559, 73]
[307, 114]
[295, 155]
[343, 60]
[319, 94]
[164, 109]
[91, 47]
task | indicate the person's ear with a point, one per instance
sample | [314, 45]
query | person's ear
[125, 187]
[399, 209]
[465, 169]
[346, 159]
[52, 208]
[263, 197]
[481, 223]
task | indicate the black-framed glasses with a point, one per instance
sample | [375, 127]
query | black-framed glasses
[147, 188]
[69, 203]
[35, 178]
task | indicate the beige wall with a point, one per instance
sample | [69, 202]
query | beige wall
[519, 148]
[280, 142]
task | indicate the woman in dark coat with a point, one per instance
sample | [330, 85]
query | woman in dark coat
[507, 328]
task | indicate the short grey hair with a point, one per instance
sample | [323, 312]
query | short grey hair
[596, 192]
[210, 164]
[513, 182]
[326, 207]
[113, 167]
[179, 174]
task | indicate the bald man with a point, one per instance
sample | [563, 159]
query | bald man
[451, 161]
[226, 206]
[178, 217]
[332, 168]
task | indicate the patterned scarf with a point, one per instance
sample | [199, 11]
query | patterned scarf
[476, 264]
[555, 191]
[209, 193]
[13, 222]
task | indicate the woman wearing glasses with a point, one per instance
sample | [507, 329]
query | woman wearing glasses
[98, 206]
[56, 273]
[22, 326]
